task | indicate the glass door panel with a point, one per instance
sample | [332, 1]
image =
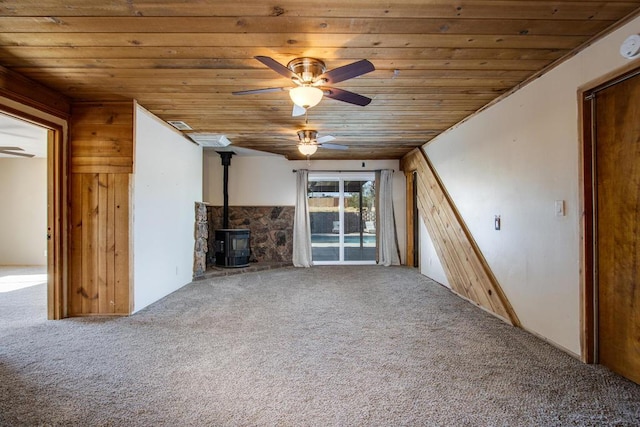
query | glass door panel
[324, 216]
[359, 221]
[342, 216]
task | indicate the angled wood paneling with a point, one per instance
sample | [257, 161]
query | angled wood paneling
[467, 271]
[101, 153]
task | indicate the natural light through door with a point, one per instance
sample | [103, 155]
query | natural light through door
[343, 216]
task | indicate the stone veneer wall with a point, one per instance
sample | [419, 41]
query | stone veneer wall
[201, 234]
[271, 230]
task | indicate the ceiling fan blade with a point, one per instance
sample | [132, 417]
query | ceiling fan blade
[298, 111]
[334, 146]
[10, 153]
[347, 72]
[257, 91]
[346, 96]
[11, 148]
[276, 66]
[325, 138]
[17, 135]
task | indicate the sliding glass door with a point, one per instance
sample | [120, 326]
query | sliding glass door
[342, 214]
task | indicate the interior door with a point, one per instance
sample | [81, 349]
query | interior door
[617, 182]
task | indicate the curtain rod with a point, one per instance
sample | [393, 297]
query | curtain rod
[334, 171]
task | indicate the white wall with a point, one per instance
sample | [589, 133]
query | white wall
[23, 216]
[515, 159]
[253, 180]
[167, 182]
[430, 264]
[269, 181]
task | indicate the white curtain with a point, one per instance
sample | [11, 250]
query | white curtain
[387, 241]
[301, 224]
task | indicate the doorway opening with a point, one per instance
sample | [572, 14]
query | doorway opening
[32, 226]
[23, 218]
[342, 212]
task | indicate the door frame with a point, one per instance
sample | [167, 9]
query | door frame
[340, 177]
[57, 225]
[412, 242]
[415, 225]
[588, 250]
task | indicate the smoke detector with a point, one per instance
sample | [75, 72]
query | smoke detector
[630, 48]
[209, 139]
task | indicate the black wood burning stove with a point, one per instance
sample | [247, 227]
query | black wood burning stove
[231, 244]
[232, 247]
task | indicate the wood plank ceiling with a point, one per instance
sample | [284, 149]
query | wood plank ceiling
[436, 61]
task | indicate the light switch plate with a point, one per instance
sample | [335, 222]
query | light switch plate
[559, 207]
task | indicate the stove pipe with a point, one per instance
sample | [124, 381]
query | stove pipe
[226, 161]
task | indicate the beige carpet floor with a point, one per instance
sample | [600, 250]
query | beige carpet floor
[326, 346]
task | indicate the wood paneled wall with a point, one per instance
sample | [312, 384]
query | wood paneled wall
[25, 91]
[101, 164]
[101, 137]
[467, 271]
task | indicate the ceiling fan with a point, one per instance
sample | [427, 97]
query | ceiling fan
[309, 142]
[14, 151]
[311, 77]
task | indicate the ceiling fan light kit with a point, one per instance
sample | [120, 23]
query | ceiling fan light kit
[307, 148]
[306, 96]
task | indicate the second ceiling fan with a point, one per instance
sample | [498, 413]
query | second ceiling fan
[311, 78]
[309, 142]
